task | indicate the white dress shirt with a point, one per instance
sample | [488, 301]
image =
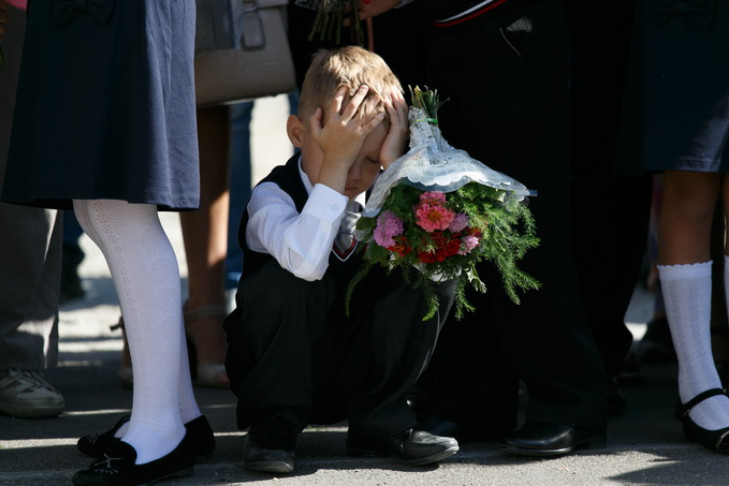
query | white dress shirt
[300, 242]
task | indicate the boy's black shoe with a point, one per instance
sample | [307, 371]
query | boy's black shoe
[412, 447]
[270, 447]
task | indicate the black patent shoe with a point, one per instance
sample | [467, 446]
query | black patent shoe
[95, 444]
[716, 440]
[270, 447]
[199, 431]
[548, 439]
[117, 468]
[411, 447]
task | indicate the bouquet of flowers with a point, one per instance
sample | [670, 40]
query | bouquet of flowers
[436, 212]
[330, 16]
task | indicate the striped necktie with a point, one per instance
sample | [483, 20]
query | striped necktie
[345, 242]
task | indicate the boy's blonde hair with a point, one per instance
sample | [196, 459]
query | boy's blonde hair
[349, 66]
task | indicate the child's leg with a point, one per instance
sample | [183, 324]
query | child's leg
[399, 344]
[391, 348]
[685, 273]
[687, 292]
[271, 339]
[146, 277]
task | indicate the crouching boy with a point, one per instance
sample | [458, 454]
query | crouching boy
[295, 356]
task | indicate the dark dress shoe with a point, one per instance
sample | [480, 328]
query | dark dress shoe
[270, 447]
[412, 447]
[95, 444]
[117, 468]
[462, 433]
[199, 431]
[716, 440]
[547, 439]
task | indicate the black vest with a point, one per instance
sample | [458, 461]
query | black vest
[288, 178]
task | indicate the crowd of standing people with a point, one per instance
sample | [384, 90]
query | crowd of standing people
[583, 101]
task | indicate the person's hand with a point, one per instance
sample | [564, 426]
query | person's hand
[342, 128]
[397, 137]
[373, 8]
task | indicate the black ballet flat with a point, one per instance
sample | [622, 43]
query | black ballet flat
[95, 444]
[117, 468]
[199, 431]
[716, 440]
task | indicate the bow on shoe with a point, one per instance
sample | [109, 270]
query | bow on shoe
[700, 12]
[64, 11]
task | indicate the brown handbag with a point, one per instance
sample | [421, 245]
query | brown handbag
[241, 51]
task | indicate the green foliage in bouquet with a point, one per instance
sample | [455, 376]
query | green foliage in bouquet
[434, 236]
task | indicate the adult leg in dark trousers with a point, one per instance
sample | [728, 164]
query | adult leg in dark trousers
[509, 109]
[610, 209]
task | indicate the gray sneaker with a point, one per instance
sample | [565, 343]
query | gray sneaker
[25, 394]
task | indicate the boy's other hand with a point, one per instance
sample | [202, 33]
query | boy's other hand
[340, 131]
[397, 137]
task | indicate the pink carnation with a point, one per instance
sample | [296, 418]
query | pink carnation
[469, 242]
[388, 226]
[459, 223]
[432, 218]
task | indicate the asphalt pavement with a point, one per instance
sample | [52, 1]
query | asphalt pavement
[645, 445]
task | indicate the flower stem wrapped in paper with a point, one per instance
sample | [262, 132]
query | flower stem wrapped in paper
[436, 212]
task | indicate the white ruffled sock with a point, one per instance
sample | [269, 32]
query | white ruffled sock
[687, 295]
[146, 278]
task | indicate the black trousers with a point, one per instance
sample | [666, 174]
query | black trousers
[610, 207]
[293, 350]
[506, 77]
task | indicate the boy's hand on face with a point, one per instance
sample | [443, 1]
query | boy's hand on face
[397, 137]
[344, 127]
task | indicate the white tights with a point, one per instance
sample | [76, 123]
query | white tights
[146, 277]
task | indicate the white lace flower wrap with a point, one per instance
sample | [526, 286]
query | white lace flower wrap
[432, 164]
